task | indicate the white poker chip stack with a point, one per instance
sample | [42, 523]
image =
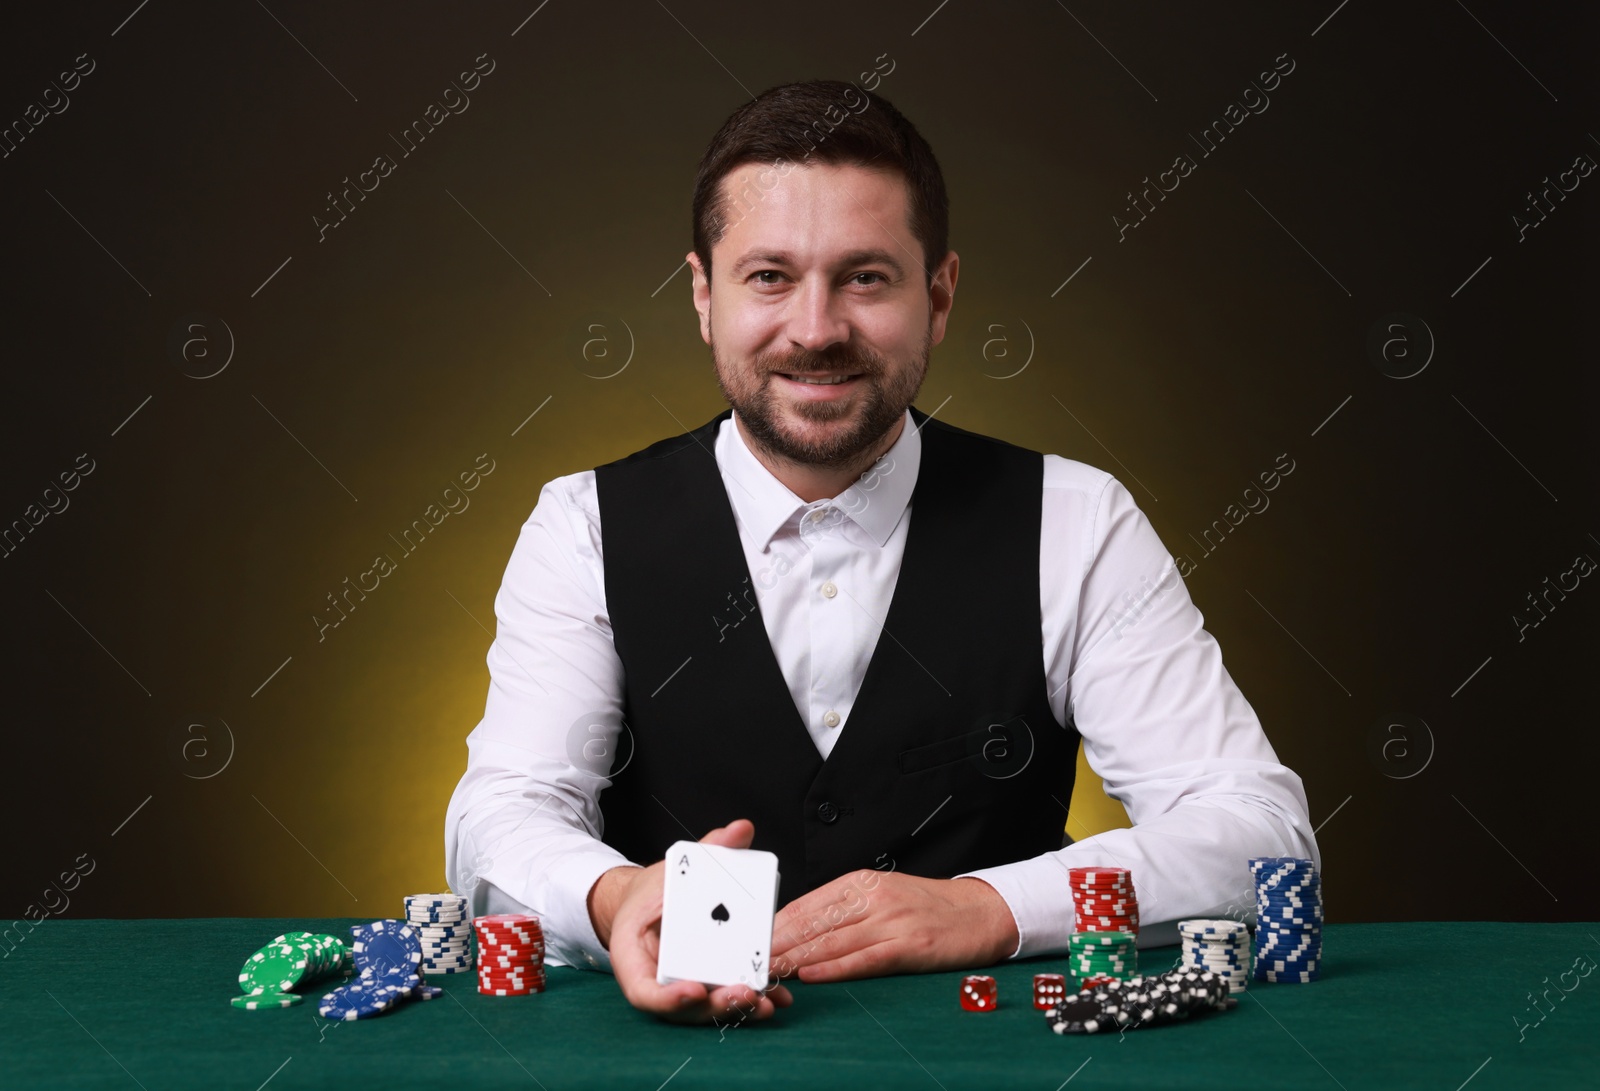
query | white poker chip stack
[1221, 946]
[446, 931]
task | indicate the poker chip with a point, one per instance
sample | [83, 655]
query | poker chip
[277, 967]
[383, 945]
[386, 956]
[324, 954]
[510, 959]
[1221, 946]
[389, 960]
[436, 908]
[1102, 956]
[359, 1001]
[431, 968]
[1288, 939]
[264, 1001]
[443, 923]
[1103, 900]
[293, 959]
[392, 980]
[1140, 1002]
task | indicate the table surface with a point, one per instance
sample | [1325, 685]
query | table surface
[119, 1004]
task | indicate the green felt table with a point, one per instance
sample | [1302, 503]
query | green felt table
[144, 1003]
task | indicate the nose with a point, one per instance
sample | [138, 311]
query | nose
[816, 320]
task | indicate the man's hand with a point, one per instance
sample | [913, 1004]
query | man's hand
[868, 924]
[625, 905]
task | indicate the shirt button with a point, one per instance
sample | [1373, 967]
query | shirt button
[816, 516]
[831, 718]
[828, 813]
[829, 590]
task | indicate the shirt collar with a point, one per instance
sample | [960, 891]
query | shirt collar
[763, 505]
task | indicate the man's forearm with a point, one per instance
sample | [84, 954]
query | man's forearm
[1189, 862]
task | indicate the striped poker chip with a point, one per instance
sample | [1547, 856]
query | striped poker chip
[291, 960]
[384, 945]
[447, 932]
[266, 1001]
[1219, 946]
[1139, 1002]
[1103, 900]
[350, 1002]
[1289, 914]
[510, 959]
[277, 967]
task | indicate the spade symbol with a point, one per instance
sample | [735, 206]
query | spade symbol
[683, 865]
[720, 914]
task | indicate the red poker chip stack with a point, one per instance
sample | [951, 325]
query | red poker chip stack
[1104, 900]
[510, 954]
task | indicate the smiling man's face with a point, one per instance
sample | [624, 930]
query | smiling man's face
[822, 280]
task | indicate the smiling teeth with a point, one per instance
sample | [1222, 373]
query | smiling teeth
[819, 382]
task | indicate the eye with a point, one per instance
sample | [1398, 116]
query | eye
[765, 273]
[881, 278]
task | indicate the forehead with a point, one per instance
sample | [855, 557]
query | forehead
[815, 210]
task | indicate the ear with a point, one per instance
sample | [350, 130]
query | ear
[701, 290]
[942, 295]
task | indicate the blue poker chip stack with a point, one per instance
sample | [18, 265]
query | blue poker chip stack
[1221, 946]
[445, 929]
[388, 958]
[1288, 943]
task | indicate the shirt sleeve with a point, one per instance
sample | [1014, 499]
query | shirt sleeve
[522, 831]
[1164, 725]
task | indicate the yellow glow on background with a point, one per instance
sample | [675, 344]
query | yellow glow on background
[1092, 811]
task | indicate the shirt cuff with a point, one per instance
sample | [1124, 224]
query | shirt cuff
[569, 883]
[1039, 895]
[563, 889]
[1040, 901]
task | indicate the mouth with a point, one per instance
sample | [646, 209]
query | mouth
[820, 378]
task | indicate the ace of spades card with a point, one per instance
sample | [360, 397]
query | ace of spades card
[716, 915]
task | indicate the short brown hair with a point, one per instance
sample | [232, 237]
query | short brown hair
[801, 123]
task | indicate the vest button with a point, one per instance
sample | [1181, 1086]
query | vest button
[828, 813]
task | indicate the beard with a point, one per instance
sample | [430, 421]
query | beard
[883, 393]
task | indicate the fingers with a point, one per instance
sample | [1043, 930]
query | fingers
[635, 948]
[824, 924]
[827, 945]
[729, 1005]
[827, 906]
[876, 960]
[737, 834]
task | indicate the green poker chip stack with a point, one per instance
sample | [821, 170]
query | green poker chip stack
[1110, 955]
[271, 974]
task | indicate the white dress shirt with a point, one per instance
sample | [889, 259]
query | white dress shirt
[1125, 655]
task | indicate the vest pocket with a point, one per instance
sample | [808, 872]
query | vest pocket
[1000, 747]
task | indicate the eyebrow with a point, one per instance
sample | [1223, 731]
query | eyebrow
[784, 258]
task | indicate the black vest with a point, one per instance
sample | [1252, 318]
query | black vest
[951, 759]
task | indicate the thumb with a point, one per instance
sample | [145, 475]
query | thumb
[737, 834]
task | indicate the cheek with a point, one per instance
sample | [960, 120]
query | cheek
[897, 335]
[744, 330]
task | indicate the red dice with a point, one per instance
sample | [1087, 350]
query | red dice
[979, 993]
[1049, 990]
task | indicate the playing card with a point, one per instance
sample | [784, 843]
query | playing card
[716, 916]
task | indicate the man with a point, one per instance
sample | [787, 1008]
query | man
[816, 612]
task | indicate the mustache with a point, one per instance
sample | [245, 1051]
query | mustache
[853, 363]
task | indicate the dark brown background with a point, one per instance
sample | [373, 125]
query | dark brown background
[378, 364]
